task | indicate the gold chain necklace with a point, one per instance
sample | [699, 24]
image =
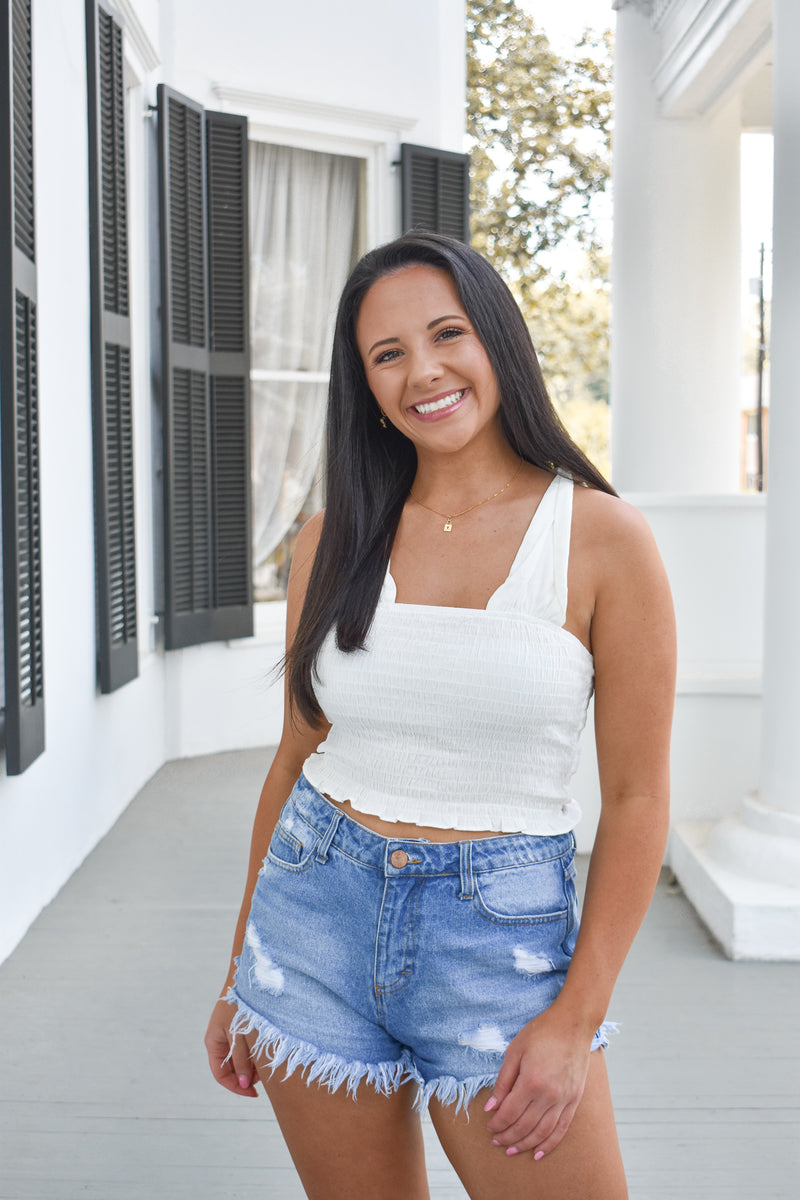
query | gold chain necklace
[448, 519]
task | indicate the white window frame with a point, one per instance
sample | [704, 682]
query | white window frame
[331, 129]
[372, 137]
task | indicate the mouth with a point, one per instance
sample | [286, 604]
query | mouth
[426, 407]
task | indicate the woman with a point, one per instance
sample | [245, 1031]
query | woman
[411, 938]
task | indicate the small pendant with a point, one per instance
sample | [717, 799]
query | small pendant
[448, 525]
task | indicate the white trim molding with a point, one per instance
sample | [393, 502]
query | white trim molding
[719, 679]
[661, 9]
[371, 136]
[710, 48]
[699, 500]
[313, 116]
[643, 6]
[136, 35]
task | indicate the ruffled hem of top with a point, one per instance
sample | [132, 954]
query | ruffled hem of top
[535, 816]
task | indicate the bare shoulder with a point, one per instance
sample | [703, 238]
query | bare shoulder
[611, 534]
[305, 547]
[309, 535]
[632, 612]
[609, 517]
[633, 640]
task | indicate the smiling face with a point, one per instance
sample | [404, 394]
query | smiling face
[424, 362]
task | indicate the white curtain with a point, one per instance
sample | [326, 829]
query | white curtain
[303, 240]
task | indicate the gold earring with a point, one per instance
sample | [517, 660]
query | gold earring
[383, 418]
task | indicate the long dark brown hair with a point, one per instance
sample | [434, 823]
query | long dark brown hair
[369, 470]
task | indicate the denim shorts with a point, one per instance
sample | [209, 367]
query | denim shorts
[383, 960]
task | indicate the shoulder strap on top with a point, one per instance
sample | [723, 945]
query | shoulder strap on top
[537, 582]
[562, 531]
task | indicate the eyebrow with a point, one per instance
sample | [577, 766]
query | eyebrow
[430, 325]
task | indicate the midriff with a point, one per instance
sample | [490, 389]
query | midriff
[407, 830]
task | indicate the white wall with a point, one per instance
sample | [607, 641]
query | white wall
[405, 61]
[100, 750]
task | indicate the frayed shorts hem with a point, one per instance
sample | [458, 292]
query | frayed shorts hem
[316, 1066]
[333, 1072]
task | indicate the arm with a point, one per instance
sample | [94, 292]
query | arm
[298, 740]
[633, 642]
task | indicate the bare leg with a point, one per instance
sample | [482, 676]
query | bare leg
[342, 1148]
[586, 1165]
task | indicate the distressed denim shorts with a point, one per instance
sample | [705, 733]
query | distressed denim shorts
[385, 960]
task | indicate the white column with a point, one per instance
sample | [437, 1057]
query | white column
[744, 874]
[780, 763]
[676, 315]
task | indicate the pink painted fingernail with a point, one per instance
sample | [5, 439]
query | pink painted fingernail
[244, 1081]
[512, 1150]
[538, 1155]
[490, 1105]
[495, 1142]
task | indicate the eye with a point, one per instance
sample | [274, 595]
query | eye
[451, 332]
[386, 356]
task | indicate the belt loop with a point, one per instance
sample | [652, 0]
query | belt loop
[325, 844]
[465, 870]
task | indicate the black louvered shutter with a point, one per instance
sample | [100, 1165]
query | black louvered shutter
[19, 401]
[205, 372]
[229, 344]
[112, 410]
[435, 187]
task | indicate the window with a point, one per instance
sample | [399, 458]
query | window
[304, 239]
[305, 226]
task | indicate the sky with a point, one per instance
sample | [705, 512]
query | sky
[564, 20]
[756, 199]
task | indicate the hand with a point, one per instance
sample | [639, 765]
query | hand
[238, 1073]
[539, 1086]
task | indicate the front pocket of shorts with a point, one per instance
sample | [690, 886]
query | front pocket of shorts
[525, 895]
[294, 841]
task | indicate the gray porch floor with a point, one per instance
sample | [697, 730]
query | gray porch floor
[104, 1090]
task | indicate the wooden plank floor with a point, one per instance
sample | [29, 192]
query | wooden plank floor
[103, 1086]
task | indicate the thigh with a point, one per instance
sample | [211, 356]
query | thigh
[343, 1147]
[586, 1163]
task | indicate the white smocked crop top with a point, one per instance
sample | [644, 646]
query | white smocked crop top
[464, 718]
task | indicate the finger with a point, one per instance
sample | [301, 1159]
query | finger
[223, 1068]
[506, 1078]
[507, 1101]
[562, 1125]
[227, 1077]
[243, 1065]
[533, 1127]
[527, 1098]
[547, 1135]
[223, 1071]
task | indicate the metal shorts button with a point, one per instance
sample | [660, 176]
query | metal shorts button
[398, 858]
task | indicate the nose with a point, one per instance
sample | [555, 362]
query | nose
[425, 367]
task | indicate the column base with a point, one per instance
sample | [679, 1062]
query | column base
[751, 917]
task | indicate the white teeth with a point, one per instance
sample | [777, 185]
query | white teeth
[436, 405]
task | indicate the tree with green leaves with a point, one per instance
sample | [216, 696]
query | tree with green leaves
[539, 126]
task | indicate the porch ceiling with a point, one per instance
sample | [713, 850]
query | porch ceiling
[757, 100]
